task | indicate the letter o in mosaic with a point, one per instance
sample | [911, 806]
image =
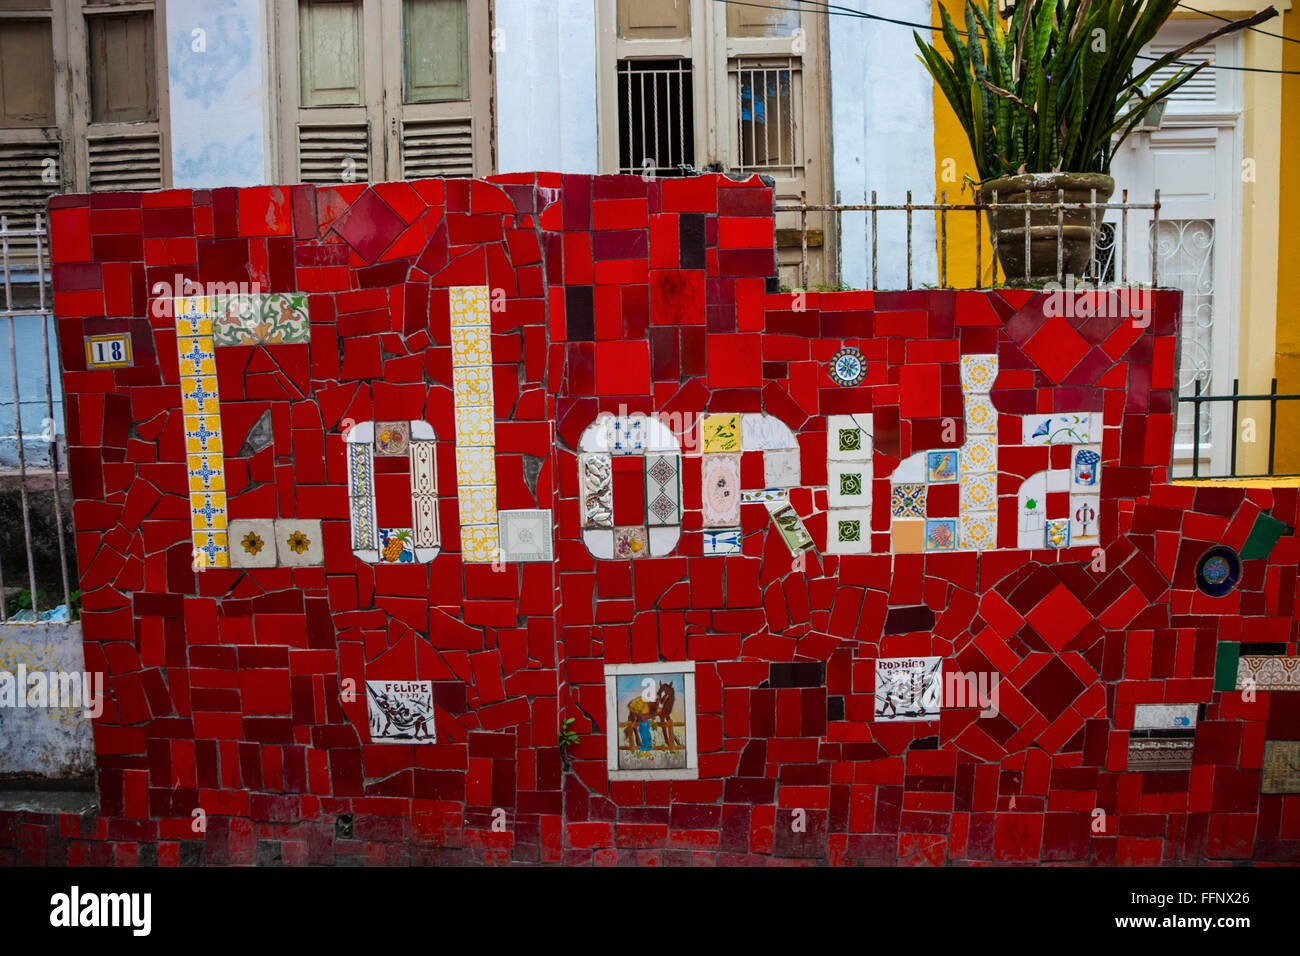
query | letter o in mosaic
[635, 452]
[417, 441]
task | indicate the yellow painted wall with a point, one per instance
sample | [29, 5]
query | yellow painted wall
[1288, 254]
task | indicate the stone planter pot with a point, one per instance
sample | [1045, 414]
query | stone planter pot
[1008, 225]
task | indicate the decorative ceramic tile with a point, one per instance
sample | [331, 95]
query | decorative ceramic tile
[1268, 672]
[206, 472]
[392, 439]
[978, 372]
[424, 522]
[1218, 571]
[720, 433]
[208, 510]
[401, 711]
[848, 484]
[1085, 469]
[600, 543]
[907, 501]
[1160, 753]
[760, 496]
[1031, 511]
[979, 530]
[471, 346]
[475, 426]
[1060, 428]
[631, 542]
[1281, 767]
[361, 510]
[476, 466]
[192, 316]
[941, 534]
[791, 529]
[197, 356]
[1164, 717]
[911, 470]
[252, 543]
[396, 546]
[848, 531]
[202, 434]
[650, 713]
[1084, 511]
[1056, 534]
[979, 492]
[848, 437]
[199, 396]
[721, 489]
[266, 318]
[479, 544]
[908, 688]
[424, 478]
[525, 534]
[726, 541]
[760, 432]
[907, 535]
[595, 473]
[626, 435]
[981, 417]
[941, 466]
[979, 456]
[478, 504]
[663, 489]
[298, 543]
[781, 468]
[211, 549]
[848, 367]
[471, 385]
[469, 306]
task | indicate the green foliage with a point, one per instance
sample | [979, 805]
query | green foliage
[1057, 89]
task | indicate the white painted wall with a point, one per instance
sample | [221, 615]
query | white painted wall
[218, 98]
[546, 85]
[882, 117]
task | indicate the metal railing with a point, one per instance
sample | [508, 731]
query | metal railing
[1196, 400]
[1097, 213]
[657, 125]
[42, 310]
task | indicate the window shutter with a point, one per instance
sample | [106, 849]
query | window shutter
[437, 147]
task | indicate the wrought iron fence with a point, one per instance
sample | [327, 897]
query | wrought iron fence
[1101, 242]
[28, 300]
[1196, 400]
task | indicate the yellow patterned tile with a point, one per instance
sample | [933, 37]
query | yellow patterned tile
[479, 543]
[211, 549]
[478, 504]
[193, 307]
[207, 473]
[469, 305]
[471, 346]
[979, 455]
[978, 531]
[720, 432]
[197, 356]
[475, 425]
[197, 324]
[199, 395]
[476, 466]
[208, 510]
[203, 434]
[471, 386]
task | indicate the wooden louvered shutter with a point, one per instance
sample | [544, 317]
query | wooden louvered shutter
[331, 90]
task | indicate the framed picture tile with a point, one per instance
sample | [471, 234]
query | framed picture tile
[650, 716]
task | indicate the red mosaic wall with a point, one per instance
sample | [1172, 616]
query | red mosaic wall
[225, 683]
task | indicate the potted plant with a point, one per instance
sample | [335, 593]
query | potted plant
[1045, 102]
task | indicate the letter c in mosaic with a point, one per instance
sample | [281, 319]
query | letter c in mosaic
[415, 441]
[640, 455]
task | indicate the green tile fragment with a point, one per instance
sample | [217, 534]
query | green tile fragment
[1225, 665]
[1263, 536]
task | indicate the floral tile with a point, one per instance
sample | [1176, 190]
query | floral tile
[298, 542]
[361, 482]
[848, 531]
[424, 522]
[758, 496]
[981, 416]
[471, 346]
[907, 501]
[211, 549]
[268, 318]
[208, 510]
[1059, 428]
[197, 356]
[478, 504]
[475, 425]
[978, 372]
[424, 473]
[202, 434]
[361, 511]
[206, 472]
[199, 395]
[979, 531]
[476, 466]
[663, 492]
[979, 492]
[848, 437]
[721, 490]
[626, 434]
[471, 386]
[848, 484]
[252, 543]
[979, 455]
[720, 433]
[469, 306]
[480, 544]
